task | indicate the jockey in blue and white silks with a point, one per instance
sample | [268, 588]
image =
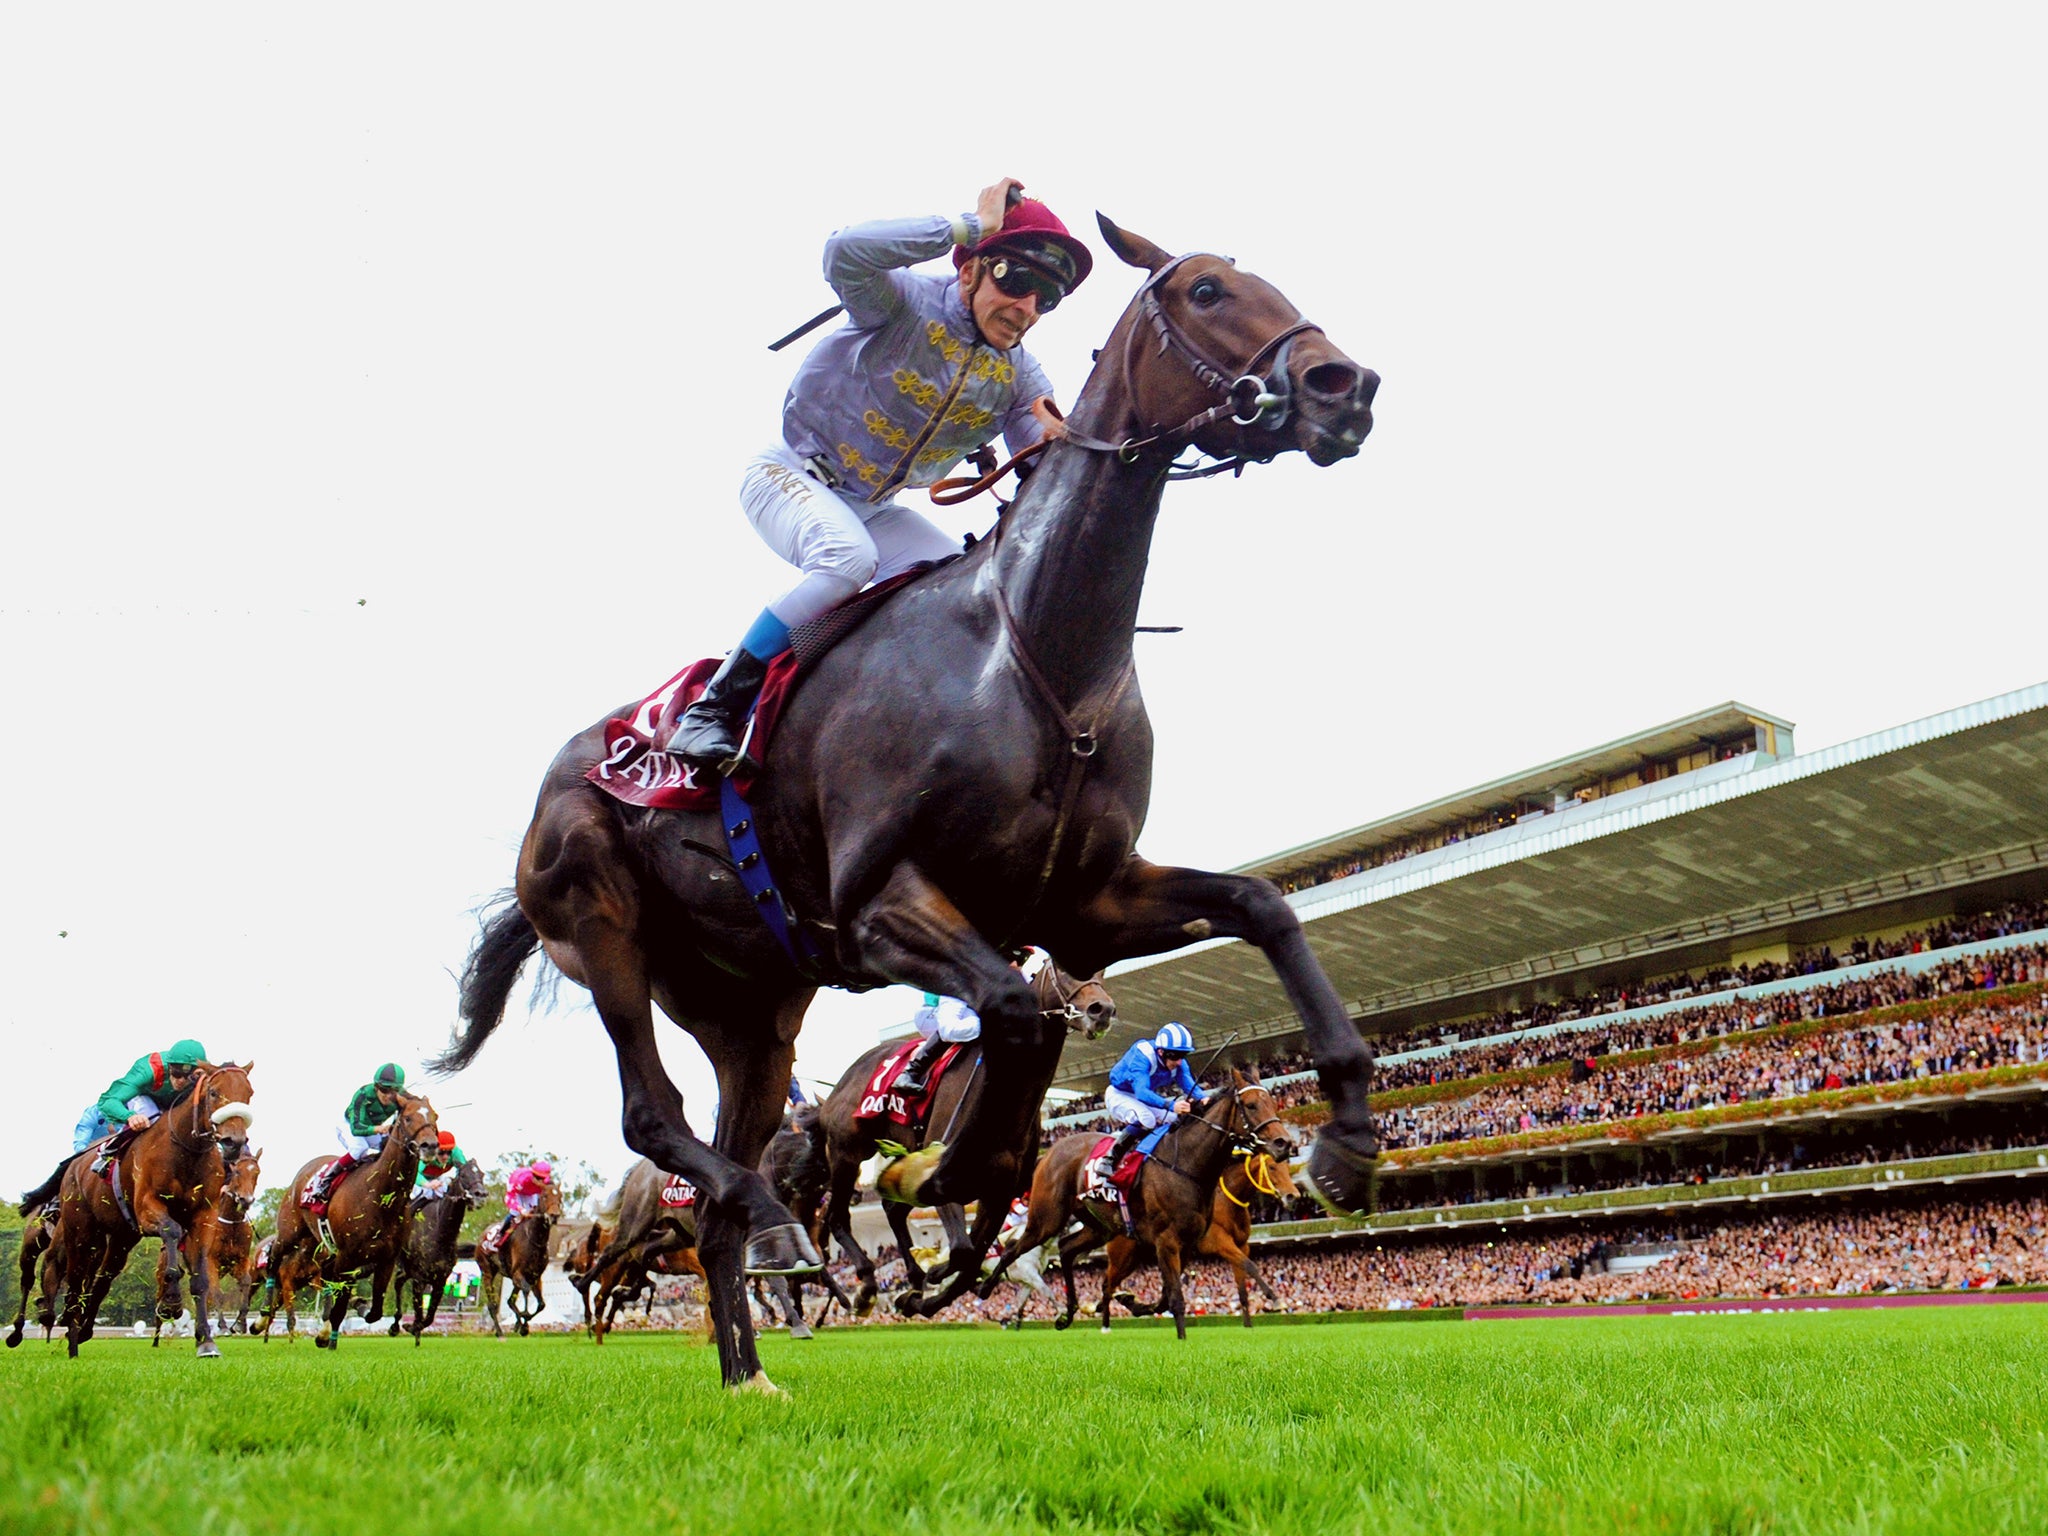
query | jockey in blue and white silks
[1149, 1085]
[927, 370]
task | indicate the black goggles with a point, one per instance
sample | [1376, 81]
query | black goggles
[1017, 278]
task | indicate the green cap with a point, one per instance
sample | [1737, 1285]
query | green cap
[390, 1075]
[186, 1053]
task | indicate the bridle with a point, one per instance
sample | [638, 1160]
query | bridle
[1249, 398]
[1063, 1007]
[205, 1131]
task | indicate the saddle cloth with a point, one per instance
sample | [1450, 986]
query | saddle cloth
[498, 1233]
[881, 1102]
[637, 770]
[314, 1195]
[1118, 1185]
[678, 1192]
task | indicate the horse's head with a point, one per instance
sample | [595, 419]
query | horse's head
[1084, 1005]
[1225, 354]
[239, 1193]
[1247, 1110]
[418, 1127]
[551, 1203]
[220, 1107]
[470, 1187]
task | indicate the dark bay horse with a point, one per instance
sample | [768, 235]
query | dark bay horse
[965, 773]
[1063, 1004]
[363, 1230]
[795, 1167]
[427, 1256]
[39, 1255]
[169, 1175]
[1172, 1202]
[1229, 1234]
[648, 1236]
[522, 1258]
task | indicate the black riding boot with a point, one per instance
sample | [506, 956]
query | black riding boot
[44, 1192]
[911, 1079]
[1126, 1139]
[708, 735]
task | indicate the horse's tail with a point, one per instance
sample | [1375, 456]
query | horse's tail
[501, 952]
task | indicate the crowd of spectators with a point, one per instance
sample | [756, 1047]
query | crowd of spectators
[1736, 1072]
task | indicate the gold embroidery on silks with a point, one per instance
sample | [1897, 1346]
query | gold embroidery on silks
[972, 417]
[985, 365]
[922, 391]
[864, 471]
[934, 456]
[885, 429]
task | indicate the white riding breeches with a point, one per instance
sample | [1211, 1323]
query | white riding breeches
[361, 1148]
[838, 542]
[952, 1021]
[1129, 1109]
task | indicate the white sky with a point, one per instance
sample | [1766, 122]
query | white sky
[374, 388]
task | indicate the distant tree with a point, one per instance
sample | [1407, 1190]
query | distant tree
[263, 1214]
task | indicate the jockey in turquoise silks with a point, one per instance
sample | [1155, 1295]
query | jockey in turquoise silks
[926, 371]
[152, 1085]
[1149, 1085]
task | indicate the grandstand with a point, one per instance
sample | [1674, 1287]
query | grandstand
[1691, 968]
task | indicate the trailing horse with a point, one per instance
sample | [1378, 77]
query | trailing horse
[361, 1233]
[426, 1257]
[650, 1235]
[966, 772]
[846, 1142]
[39, 1253]
[222, 1234]
[1172, 1200]
[1229, 1234]
[163, 1182]
[521, 1256]
[795, 1167]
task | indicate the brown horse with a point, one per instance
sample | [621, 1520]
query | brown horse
[1229, 1234]
[362, 1232]
[845, 1142]
[520, 1256]
[427, 1256]
[966, 772]
[1172, 1201]
[39, 1253]
[168, 1176]
[648, 1236]
[222, 1233]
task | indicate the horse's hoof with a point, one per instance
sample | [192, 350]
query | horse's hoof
[785, 1249]
[14, 1339]
[800, 1330]
[760, 1385]
[1063, 1323]
[1341, 1170]
[909, 1304]
[209, 1350]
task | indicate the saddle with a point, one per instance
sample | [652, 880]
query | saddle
[1108, 1201]
[316, 1194]
[880, 1103]
[635, 768]
[111, 1149]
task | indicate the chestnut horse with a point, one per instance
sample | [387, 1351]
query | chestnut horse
[427, 1256]
[223, 1233]
[648, 1236]
[361, 1233]
[521, 1257]
[1229, 1234]
[168, 1176]
[966, 772]
[1172, 1201]
[844, 1142]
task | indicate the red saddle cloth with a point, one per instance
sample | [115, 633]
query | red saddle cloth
[678, 1192]
[637, 770]
[1121, 1177]
[880, 1101]
[315, 1195]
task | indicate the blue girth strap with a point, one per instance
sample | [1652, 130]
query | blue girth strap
[743, 842]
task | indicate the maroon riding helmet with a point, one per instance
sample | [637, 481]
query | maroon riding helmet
[1032, 233]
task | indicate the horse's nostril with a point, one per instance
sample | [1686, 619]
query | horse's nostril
[1335, 381]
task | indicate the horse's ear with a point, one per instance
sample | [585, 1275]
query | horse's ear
[1133, 249]
[248, 1068]
[1239, 1078]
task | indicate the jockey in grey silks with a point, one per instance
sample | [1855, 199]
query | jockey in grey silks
[926, 371]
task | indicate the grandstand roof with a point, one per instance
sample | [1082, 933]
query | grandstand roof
[1703, 863]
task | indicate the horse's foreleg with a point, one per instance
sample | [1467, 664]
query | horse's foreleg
[913, 1272]
[839, 1227]
[202, 1304]
[911, 932]
[1167, 1247]
[1150, 908]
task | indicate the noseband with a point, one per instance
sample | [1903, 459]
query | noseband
[1249, 398]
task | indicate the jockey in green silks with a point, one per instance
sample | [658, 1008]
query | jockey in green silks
[134, 1099]
[362, 1130]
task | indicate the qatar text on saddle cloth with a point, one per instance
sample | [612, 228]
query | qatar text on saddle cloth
[678, 1193]
[881, 1101]
[637, 770]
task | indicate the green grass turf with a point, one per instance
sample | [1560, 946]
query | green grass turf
[1932, 1419]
